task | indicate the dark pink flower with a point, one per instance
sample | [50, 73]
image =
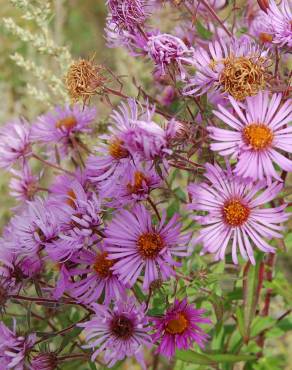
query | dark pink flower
[179, 328]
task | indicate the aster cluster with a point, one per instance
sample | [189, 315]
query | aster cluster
[115, 226]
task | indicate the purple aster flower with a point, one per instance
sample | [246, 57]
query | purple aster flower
[13, 348]
[120, 332]
[15, 143]
[134, 136]
[81, 224]
[179, 328]
[279, 19]
[236, 213]
[59, 125]
[237, 67]
[259, 28]
[135, 185]
[95, 277]
[129, 14]
[23, 185]
[259, 132]
[44, 361]
[165, 49]
[141, 246]
[36, 225]
[16, 267]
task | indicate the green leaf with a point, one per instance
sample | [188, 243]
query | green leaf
[250, 294]
[231, 358]
[260, 324]
[193, 357]
[202, 31]
[211, 359]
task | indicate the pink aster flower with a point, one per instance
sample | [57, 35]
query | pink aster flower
[120, 332]
[259, 132]
[141, 246]
[165, 49]
[179, 328]
[237, 67]
[94, 277]
[23, 185]
[236, 214]
[13, 348]
[59, 125]
[279, 19]
[15, 143]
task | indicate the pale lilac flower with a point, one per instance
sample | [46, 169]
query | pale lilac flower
[279, 18]
[237, 67]
[15, 142]
[139, 246]
[259, 132]
[179, 328]
[261, 29]
[13, 348]
[59, 125]
[23, 185]
[94, 278]
[236, 214]
[165, 49]
[120, 332]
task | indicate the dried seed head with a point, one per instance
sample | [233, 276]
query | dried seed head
[242, 76]
[84, 79]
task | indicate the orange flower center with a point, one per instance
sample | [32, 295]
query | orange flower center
[235, 213]
[150, 244]
[139, 178]
[67, 123]
[71, 197]
[102, 265]
[177, 325]
[116, 149]
[258, 136]
[265, 37]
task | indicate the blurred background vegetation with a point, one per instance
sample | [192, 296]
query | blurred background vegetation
[78, 25]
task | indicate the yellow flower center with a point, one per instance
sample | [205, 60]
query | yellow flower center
[177, 325]
[103, 265]
[258, 136]
[66, 123]
[242, 76]
[116, 149]
[150, 244]
[235, 213]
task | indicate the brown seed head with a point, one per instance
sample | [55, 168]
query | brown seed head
[84, 79]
